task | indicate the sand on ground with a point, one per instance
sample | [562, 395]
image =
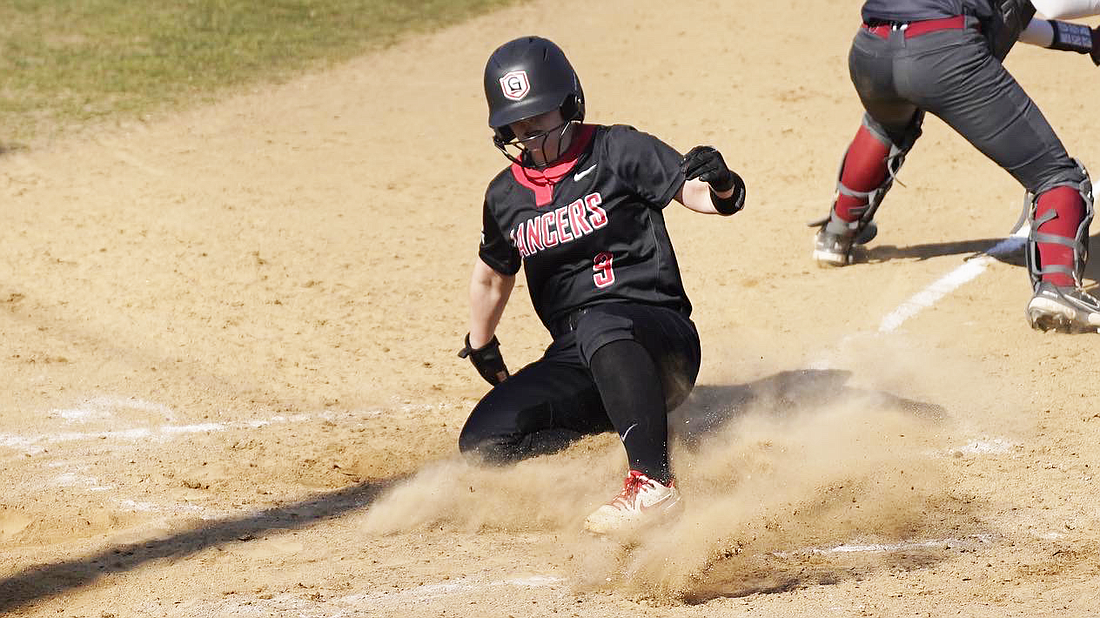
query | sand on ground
[231, 389]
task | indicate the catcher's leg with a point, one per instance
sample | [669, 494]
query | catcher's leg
[998, 117]
[867, 172]
[1057, 250]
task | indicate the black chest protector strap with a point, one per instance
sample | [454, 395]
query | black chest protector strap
[1009, 19]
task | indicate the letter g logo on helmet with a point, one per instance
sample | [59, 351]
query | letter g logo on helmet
[515, 85]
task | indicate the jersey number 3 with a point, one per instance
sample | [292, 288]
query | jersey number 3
[605, 275]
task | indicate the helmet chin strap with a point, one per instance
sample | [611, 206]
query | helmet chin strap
[525, 159]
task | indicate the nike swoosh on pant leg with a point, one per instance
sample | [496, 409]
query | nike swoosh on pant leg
[627, 432]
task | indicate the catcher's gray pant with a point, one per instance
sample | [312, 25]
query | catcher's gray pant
[952, 75]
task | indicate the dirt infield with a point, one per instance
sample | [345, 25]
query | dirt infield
[231, 386]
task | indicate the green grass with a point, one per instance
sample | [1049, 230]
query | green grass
[66, 63]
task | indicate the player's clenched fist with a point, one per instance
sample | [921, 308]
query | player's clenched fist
[487, 360]
[706, 164]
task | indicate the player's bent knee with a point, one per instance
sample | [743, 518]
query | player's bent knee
[482, 449]
[677, 387]
[503, 449]
[480, 444]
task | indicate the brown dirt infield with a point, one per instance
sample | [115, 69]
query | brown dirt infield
[229, 339]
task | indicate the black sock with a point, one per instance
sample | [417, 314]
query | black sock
[630, 387]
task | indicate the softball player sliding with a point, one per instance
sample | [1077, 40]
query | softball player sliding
[944, 57]
[580, 207]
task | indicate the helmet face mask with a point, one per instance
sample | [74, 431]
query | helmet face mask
[547, 141]
[524, 78]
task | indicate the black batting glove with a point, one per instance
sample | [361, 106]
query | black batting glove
[706, 164]
[487, 360]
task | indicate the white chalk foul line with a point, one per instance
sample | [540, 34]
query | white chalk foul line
[888, 548]
[102, 409]
[943, 286]
[428, 592]
[293, 604]
[927, 297]
[986, 446]
[36, 443]
[141, 433]
[105, 407]
[143, 506]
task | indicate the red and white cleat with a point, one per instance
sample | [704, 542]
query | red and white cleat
[642, 502]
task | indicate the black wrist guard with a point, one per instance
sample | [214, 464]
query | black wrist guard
[728, 205]
[1071, 37]
[722, 182]
[487, 360]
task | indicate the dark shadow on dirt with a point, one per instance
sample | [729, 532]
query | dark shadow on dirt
[39, 582]
[783, 394]
[7, 148]
[970, 248]
[779, 574]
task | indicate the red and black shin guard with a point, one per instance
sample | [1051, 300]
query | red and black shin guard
[1058, 216]
[864, 170]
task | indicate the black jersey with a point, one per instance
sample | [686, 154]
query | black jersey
[920, 10]
[589, 230]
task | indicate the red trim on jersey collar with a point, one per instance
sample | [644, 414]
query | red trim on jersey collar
[541, 182]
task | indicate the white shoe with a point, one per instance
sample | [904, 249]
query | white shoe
[643, 501]
[834, 250]
[1067, 309]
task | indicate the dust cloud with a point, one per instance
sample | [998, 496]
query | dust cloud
[780, 488]
[545, 493]
[773, 475]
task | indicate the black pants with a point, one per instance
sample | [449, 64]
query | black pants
[555, 400]
[952, 75]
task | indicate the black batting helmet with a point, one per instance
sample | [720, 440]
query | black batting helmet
[527, 77]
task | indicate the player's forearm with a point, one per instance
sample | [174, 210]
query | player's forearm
[1066, 9]
[1039, 32]
[1063, 36]
[695, 194]
[1046, 29]
[489, 293]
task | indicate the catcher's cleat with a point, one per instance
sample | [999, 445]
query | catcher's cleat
[831, 249]
[1066, 309]
[642, 502]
